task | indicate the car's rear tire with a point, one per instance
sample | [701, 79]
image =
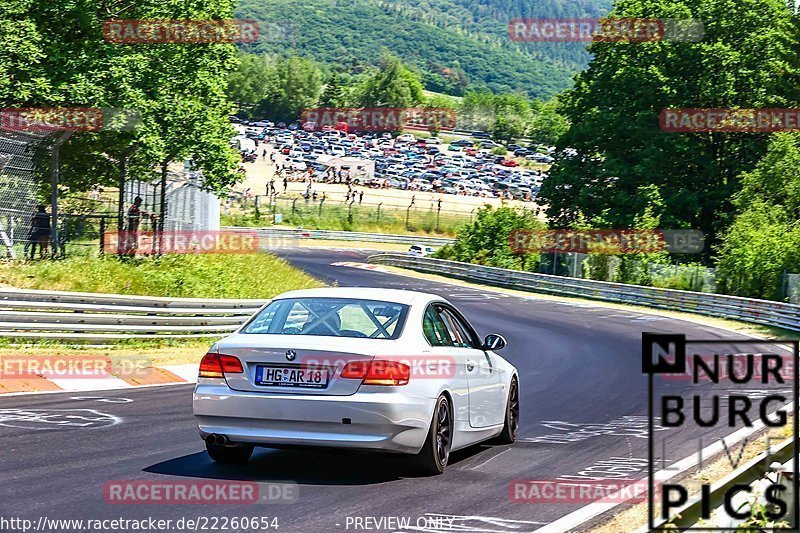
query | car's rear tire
[511, 426]
[229, 455]
[433, 457]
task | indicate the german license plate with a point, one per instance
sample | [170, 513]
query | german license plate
[285, 376]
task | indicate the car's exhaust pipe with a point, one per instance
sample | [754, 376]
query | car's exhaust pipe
[219, 440]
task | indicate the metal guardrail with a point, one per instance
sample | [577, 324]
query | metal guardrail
[765, 312]
[52, 315]
[299, 234]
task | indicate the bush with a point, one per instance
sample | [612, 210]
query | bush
[485, 241]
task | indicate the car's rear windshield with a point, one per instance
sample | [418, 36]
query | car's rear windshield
[330, 317]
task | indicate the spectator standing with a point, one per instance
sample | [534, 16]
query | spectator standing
[135, 214]
[40, 232]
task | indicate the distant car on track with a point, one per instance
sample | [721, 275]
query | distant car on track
[417, 250]
[362, 368]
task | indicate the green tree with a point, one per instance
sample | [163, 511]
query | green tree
[764, 240]
[546, 125]
[251, 82]
[177, 91]
[335, 93]
[614, 146]
[391, 85]
[486, 240]
[298, 83]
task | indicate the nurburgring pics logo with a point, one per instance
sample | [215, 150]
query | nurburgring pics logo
[379, 118]
[588, 30]
[621, 241]
[691, 120]
[144, 31]
[712, 412]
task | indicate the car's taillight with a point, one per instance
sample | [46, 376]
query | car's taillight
[215, 366]
[378, 372]
[231, 364]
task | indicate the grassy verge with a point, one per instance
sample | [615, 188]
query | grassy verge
[179, 276]
[358, 218]
[146, 354]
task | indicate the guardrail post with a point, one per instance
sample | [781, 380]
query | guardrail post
[379, 212]
[102, 235]
[294, 209]
[408, 214]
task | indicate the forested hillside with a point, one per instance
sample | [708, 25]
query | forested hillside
[455, 44]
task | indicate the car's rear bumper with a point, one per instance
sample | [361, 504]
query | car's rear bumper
[385, 421]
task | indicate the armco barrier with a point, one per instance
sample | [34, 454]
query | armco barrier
[53, 315]
[769, 313]
[291, 234]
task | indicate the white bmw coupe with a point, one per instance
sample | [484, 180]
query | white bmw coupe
[363, 368]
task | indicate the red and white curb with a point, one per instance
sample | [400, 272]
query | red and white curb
[156, 376]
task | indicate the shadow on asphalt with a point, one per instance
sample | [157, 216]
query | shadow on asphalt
[306, 466]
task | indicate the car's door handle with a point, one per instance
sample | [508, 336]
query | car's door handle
[470, 366]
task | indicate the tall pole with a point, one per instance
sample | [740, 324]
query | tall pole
[163, 208]
[54, 178]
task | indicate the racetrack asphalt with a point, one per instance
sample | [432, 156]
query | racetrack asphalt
[581, 376]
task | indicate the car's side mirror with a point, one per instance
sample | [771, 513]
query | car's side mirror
[493, 342]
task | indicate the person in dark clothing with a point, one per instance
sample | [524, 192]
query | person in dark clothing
[40, 232]
[135, 214]
[285, 184]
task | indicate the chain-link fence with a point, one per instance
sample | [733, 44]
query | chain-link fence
[322, 212]
[792, 288]
[84, 218]
[188, 205]
[24, 168]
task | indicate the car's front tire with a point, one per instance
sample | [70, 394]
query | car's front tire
[511, 426]
[433, 457]
[229, 455]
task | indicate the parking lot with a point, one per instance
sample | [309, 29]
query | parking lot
[465, 167]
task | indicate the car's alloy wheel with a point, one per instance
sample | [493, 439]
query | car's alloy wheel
[435, 453]
[443, 432]
[511, 426]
